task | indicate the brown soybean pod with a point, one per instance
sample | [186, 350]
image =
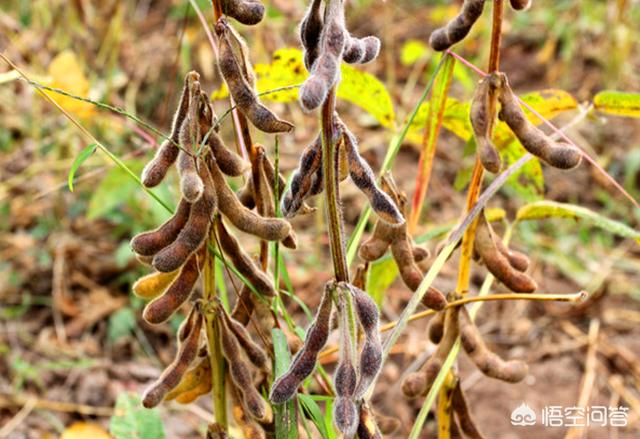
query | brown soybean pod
[194, 232]
[367, 427]
[363, 177]
[269, 229]
[230, 163]
[172, 375]
[326, 69]
[310, 31]
[250, 428]
[436, 328]
[240, 372]
[520, 5]
[245, 195]
[254, 353]
[361, 50]
[243, 263]
[185, 328]
[152, 285]
[465, 419]
[150, 243]
[247, 12]
[345, 416]
[371, 354]
[557, 154]
[302, 178]
[285, 386]
[497, 263]
[244, 306]
[458, 28]
[243, 94]
[191, 379]
[488, 362]
[517, 260]
[481, 122]
[163, 307]
[191, 184]
[154, 172]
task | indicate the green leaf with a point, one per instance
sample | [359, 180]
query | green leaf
[528, 181]
[316, 414]
[80, 159]
[287, 69]
[132, 421]
[285, 414]
[412, 51]
[121, 324]
[551, 209]
[381, 276]
[115, 189]
[618, 103]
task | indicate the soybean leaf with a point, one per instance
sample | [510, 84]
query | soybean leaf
[552, 209]
[285, 414]
[132, 421]
[381, 276]
[528, 181]
[115, 189]
[80, 159]
[618, 103]
[316, 414]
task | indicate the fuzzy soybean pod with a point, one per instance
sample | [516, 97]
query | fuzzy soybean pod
[367, 427]
[193, 233]
[345, 416]
[302, 179]
[419, 383]
[497, 263]
[285, 386]
[465, 419]
[230, 163]
[173, 374]
[325, 71]
[557, 154]
[154, 172]
[195, 382]
[254, 353]
[520, 5]
[150, 243]
[482, 122]
[240, 372]
[242, 92]
[250, 428]
[191, 184]
[243, 263]
[361, 50]
[244, 306]
[436, 328]
[163, 307]
[371, 354]
[458, 28]
[269, 229]
[488, 362]
[363, 177]
[247, 12]
[152, 285]
[310, 31]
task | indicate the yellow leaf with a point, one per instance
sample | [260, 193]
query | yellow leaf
[67, 74]
[618, 103]
[84, 430]
[412, 51]
[287, 70]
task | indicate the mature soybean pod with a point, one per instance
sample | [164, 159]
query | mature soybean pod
[326, 69]
[163, 307]
[557, 154]
[436, 328]
[361, 50]
[465, 419]
[242, 262]
[191, 380]
[247, 12]
[367, 427]
[517, 260]
[310, 31]
[497, 263]
[285, 386]
[191, 184]
[488, 362]
[371, 354]
[250, 428]
[230, 163]
[519, 5]
[345, 416]
[152, 285]
[482, 122]
[244, 306]
[150, 243]
[254, 353]
[269, 229]
[154, 172]
[364, 178]
[302, 179]
[172, 375]
[458, 28]
[243, 94]
[194, 232]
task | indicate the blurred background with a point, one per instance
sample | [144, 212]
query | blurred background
[72, 340]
